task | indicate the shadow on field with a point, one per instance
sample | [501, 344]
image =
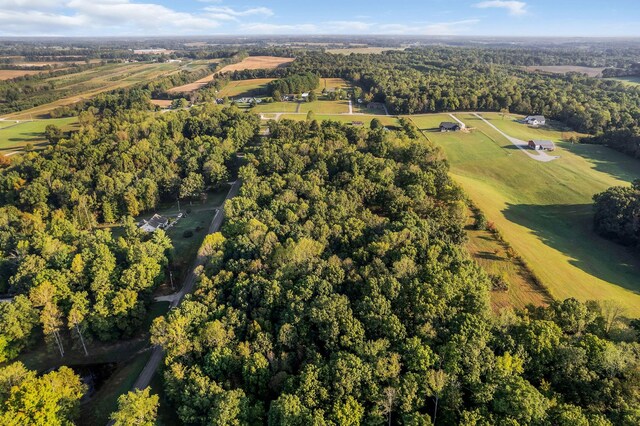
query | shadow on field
[606, 160]
[568, 229]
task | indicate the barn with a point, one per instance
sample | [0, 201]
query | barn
[542, 145]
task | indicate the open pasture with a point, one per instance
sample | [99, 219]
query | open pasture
[544, 210]
[9, 74]
[345, 118]
[325, 107]
[245, 88]
[15, 136]
[258, 62]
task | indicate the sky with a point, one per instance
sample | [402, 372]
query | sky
[597, 18]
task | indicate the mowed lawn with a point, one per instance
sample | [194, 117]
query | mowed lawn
[245, 88]
[342, 118]
[545, 209]
[275, 107]
[325, 107]
[16, 136]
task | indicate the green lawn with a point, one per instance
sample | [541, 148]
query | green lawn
[15, 137]
[244, 88]
[545, 209]
[275, 107]
[366, 119]
[325, 107]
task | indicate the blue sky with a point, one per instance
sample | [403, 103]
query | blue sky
[617, 18]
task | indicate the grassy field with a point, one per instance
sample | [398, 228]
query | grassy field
[9, 74]
[16, 136]
[80, 86]
[325, 107]
[245, 88]
[544, 210]
[629, 81]
[366, 119]
[275, 107]
[333, 83]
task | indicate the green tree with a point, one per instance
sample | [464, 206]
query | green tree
[137, 408]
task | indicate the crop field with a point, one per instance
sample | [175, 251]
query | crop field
[258, 62]
[544, 210]
[15, 136]
[325, 107]
[243, 88]
[563, 69]
[9, 74]
[76, 87]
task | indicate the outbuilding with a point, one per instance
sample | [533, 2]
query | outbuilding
[542, 145]
[447, 126]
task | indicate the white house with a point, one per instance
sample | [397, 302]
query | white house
[535, 120]
[156, 222]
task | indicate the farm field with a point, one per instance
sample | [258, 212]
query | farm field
[9, 74]
[257, 62]
[325, 107]
[544, 209]
[630, 81]
[244, 88]
[89, 83]
[563, 69]
[196, 85]
[16, 136]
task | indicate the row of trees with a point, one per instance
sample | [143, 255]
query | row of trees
[297, 83]
[338, 292]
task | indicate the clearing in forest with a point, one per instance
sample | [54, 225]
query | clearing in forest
[14, 136]
[245, 88]
[544, 210]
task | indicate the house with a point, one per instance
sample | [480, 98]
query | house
[447, 126]
[156, 222]
[304, 96]
[375, 105]
[535, 120]
[542, 145]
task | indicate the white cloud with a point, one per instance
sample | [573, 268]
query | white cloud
[265, 28]
[225, 13]
[514, 7]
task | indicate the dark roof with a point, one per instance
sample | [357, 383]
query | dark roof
[535, 117]
[157, 220]
[544, 143]
[357, 123]
[449, 125]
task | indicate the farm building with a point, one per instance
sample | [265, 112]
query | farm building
[535, 120]
[156, 222]
[542, 145]
[447, 126]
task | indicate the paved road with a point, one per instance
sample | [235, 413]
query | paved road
[539, 156]
[152, 365]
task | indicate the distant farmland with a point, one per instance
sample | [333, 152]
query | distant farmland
[9, 74]
[563, 69]
[258, 62]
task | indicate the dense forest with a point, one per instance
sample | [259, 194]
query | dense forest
[338, 292]
[293, 84]
[68, 276]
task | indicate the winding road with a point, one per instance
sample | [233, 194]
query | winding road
[152, 365]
